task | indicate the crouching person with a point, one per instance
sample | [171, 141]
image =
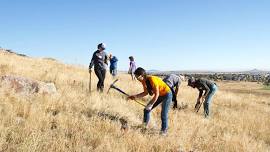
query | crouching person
[209, 88]
[153, 85]
[174, 82]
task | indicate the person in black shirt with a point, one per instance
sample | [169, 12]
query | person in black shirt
[209, 88]
[100, 62]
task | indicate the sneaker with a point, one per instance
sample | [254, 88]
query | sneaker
[163, 133]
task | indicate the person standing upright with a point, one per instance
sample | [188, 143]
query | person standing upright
[132, 67]
[99, 61]
[113, 65]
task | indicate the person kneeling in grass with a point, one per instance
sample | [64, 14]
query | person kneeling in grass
[153, 85]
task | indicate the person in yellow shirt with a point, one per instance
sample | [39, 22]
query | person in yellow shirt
[154, 86]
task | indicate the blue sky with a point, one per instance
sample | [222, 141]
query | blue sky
[223, 35]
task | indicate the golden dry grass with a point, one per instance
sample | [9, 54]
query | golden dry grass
[70, 121]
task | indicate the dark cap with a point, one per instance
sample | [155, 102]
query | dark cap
[101, 45]
[139, 71]
[190, 81]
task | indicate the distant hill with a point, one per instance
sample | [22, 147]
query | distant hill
[23, 55]
[153, 71]
[251, 72]
[12, 52]
[256, 72]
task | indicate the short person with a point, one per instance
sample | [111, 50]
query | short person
[113, 65]
[132, 67]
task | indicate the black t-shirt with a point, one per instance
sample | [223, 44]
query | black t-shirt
[203, 85]
[99, 60]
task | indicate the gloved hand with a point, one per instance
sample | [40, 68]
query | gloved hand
[203, 98]
[149, 107]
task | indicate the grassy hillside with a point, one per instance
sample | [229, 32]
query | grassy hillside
[78, 121]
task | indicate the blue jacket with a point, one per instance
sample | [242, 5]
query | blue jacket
[113, 62]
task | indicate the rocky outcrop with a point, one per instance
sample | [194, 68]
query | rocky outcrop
[26, 86]
[12, 52]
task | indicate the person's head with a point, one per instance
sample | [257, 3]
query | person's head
[140, 74]
[191, 82]
[101, 47]
[131, 58]
[110, 56]
[182, 77]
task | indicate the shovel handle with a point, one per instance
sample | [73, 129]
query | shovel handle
[90, 77]
[139, 102]
[199, 106]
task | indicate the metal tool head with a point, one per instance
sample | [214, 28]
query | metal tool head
[112, 85]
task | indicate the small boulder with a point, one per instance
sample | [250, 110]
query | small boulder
[26, 86]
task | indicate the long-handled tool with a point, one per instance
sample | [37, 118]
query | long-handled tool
[198, 108]
[90, 73]
[121, 91]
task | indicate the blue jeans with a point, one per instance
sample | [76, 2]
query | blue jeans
[208, 100]
[166, 101]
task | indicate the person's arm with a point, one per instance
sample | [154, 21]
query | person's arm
[140, 95]
[154, 99]
[200, 95]
[199, 98]
[156, 95]
[176, 91]
[207, 89]
[92, 62]
[177, 87]
[106, 59]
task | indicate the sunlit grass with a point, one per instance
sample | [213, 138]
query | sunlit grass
[78, 121]
[266, 87]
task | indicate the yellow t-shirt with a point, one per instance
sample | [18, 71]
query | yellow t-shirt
[163, 87]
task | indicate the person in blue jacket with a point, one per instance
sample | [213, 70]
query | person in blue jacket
[113, 65]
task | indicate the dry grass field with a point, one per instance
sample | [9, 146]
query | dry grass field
[74, 120]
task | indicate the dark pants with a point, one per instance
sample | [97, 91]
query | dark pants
[113, 71]
[174, 100]
[101, 73]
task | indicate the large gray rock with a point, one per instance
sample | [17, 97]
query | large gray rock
[26, 86]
